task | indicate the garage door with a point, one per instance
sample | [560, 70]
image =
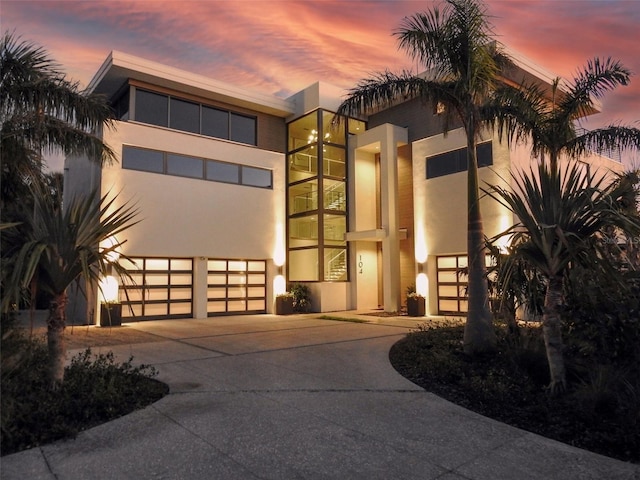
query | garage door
[236, 286]
[159, 288]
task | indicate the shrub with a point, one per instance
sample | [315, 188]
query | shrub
[301, 297]
[599, 412]
[96, 389]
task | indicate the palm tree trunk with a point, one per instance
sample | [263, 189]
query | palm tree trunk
[551, 329]
[479, 335]
[55, 339]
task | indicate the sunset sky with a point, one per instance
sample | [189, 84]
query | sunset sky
[280, 47]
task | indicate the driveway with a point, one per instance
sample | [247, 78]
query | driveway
[267, 397]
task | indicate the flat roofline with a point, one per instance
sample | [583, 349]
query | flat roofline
[525, 63]
[119, 66]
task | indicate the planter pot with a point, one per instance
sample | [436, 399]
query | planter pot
[284, 305]
[110, 314]
[416, 306]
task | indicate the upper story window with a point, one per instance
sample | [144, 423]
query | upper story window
[456, 161]
[157, 161]
[187, 116]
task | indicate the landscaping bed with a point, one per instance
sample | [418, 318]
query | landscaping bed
[600, 411]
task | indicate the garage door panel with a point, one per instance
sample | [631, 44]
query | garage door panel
[236, 286]
[161, 288]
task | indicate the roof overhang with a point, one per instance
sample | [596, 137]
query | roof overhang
[119, 67]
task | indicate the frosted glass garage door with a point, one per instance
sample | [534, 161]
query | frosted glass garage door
[236, 286]
[157, 288]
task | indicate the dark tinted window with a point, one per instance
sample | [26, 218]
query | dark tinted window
[215, 123]
[485, 154]
[152, 108]
[184, 166]
[223, 172]
[242, 129]
[184, 115]
[256, 177]
[456, 161]
[142, 159]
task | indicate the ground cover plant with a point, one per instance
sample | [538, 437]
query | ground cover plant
[96, 389]
[600, 411]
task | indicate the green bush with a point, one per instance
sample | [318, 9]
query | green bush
[602, 317]
[599, 412]
[96, 389]
[301, 297]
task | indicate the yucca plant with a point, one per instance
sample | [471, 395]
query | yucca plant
[560, 216]
[62, 247]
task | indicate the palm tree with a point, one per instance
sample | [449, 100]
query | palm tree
[463, 62]
[40, 112]
[62, 247]
[551, 124]
[561, 216]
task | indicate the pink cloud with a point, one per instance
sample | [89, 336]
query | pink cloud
[282, 46]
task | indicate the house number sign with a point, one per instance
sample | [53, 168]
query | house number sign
[360, 264]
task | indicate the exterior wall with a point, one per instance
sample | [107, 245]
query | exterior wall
[405, 206]
[440, 204]
[364, 216]
[414, 115]
[193, 218]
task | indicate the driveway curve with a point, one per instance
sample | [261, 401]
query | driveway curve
[267, 397]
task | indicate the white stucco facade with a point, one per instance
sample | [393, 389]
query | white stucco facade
[230, 241]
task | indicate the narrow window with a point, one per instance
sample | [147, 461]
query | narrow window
[152, 108]
[143, 159]
[242, 129]
[184, 116]
[215, 123]
[256, 177]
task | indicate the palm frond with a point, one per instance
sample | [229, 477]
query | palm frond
[63, 246]
[598, 77]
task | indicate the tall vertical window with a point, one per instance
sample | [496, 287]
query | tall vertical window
[152, 108]
[317, 200]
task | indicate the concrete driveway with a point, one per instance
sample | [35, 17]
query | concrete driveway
[266, 397]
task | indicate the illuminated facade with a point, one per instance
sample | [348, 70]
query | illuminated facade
[241, 193]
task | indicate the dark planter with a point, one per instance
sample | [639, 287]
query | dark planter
[110, 314]
[415, 306]
[284, 305]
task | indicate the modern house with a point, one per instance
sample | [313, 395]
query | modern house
[242, 193]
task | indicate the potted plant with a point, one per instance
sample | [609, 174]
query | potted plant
[301, 297]
[110, 314]
[415, 302]
[284, 303]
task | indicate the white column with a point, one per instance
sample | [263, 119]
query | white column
[389, 213]
[200, 273]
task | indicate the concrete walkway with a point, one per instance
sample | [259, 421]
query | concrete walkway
[266, 397]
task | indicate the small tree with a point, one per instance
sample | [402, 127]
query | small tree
[62, 247]
[561, 217]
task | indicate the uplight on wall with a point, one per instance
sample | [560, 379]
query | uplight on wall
[422, 284]
[279, 285]
[108, 288]
[420, 244]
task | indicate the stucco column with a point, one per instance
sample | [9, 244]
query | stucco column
[389, 213]
[200, 287]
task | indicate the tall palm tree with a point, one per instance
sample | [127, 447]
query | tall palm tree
[455, 44]
[561, 215]
[41, 112]
[62, 247]
[551, 124]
